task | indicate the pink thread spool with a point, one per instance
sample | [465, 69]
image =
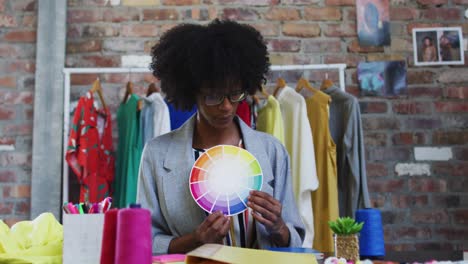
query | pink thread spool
[108, 237]
[133, 243]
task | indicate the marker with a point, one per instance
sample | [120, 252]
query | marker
[65, 208]
[71, 208]
[96, 208]
[108, 204]
[77, 208]
[86, 208]
[105, 204]
[80, 208]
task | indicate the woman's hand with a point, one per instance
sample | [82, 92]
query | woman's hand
[213, 229]
[267, 211]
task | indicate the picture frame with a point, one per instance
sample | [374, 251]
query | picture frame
[438, 46]
[382, 78]
[373, 22]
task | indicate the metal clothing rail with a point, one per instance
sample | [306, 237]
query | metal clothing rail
[338, 66]
[67, 84]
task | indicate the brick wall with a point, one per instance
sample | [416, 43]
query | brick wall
[416, 145]
[17, 66]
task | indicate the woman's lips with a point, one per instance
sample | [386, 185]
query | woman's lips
[224, 119]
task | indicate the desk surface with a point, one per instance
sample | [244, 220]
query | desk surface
[419, 255]
[423, 255]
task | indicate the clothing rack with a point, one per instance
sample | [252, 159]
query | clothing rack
[338, 66]
[67, 84]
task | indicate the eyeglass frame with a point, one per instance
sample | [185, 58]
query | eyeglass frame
[242, 93]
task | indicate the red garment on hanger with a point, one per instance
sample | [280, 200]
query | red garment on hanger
[243, 111]
[90, 151]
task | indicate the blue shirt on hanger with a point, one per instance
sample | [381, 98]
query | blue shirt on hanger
[179, 117]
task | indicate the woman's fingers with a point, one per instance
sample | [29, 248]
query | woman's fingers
[265, 204]
[266, 210]
[262, 210]
[218, 225]
[264, 221]
[213, 228]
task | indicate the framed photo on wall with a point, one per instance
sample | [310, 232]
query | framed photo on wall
[438, 46]
[382, 78]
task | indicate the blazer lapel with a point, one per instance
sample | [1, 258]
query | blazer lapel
[178, 162]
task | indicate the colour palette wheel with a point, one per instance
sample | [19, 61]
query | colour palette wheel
[222, 177]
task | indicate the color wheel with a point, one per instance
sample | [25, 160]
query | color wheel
[222, 177]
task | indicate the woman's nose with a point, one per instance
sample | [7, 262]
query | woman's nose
[226, 104]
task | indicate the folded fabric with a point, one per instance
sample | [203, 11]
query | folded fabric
[36, 241]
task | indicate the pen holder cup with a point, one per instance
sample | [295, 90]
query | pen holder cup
[82, 238]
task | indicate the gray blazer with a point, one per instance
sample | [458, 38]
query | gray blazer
[163, 185]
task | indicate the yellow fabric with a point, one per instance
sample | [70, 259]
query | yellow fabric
[37, 241]
[325, 198]
[270, 120]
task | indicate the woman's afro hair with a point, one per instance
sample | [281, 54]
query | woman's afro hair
[217, 57]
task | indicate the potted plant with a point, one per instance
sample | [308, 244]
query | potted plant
[346, 238]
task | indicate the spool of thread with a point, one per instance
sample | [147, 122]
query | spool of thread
[109, 236]
[133, 244]
[371, 239]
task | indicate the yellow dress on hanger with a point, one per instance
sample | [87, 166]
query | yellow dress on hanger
[270, 120]
[325, 198]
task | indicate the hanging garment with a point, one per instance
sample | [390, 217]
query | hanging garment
[128, 152]
[253, 114]
[179, 117]
[299, 143]
[89, 150]
[346, 130]
[243, 111]
[154, 117]
[270, 120]
[325, 198]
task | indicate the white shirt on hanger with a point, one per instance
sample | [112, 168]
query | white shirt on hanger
[154, 119]
[300, 145]
[162, 122]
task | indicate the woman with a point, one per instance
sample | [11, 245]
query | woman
[429, 52]
[215, 67]
[449, 50]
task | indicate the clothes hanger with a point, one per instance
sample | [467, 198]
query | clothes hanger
[304, 83]
[97, 88]
[152, 88]
[128, 91]
[129, 88]
[326, 83]
[280, 83]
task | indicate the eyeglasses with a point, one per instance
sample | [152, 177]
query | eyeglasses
[233, 97]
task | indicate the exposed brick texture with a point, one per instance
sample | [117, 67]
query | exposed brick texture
[419, 211]
[18, 22]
